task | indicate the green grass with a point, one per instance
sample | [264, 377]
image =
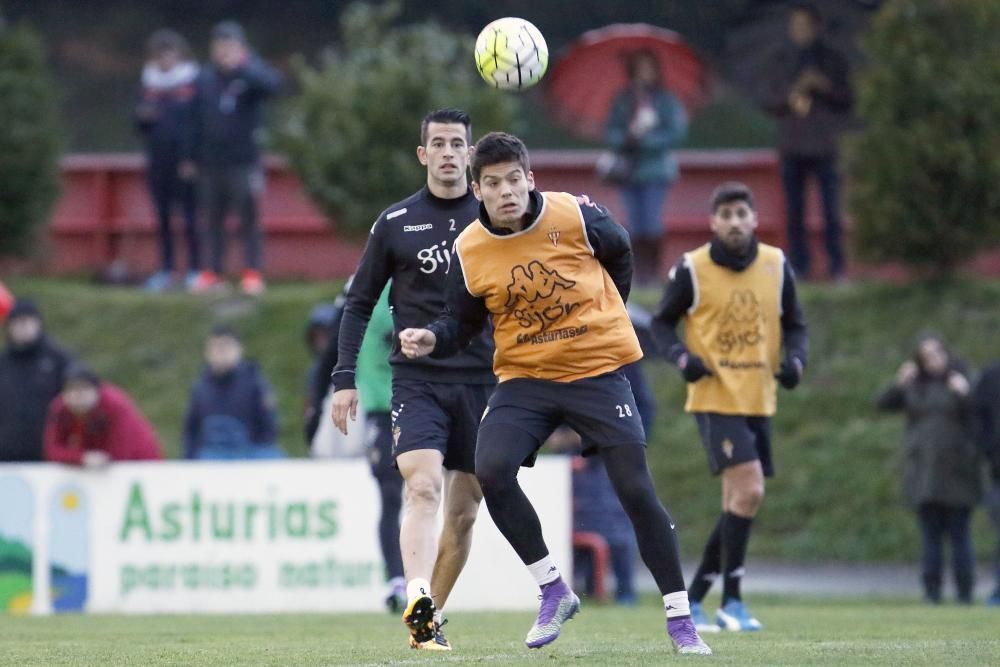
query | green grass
[836, 495]
[798, 632]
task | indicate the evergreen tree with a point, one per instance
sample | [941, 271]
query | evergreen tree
[925, 170]
[351, 133]
[30, 140]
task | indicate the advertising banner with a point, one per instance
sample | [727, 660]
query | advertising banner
[255, 536]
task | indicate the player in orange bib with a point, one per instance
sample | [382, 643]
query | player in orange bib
[737, 300]
[553, 272]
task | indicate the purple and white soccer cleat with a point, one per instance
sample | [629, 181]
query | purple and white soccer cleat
[559, 604]
[685, 637]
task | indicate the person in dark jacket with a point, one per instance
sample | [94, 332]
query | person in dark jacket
[32, 372]
[161, 115]
[222, 147]
[231, 414]
[809, 94]
[986, 401]
[645, 122]
[92, 423]
[941, 466]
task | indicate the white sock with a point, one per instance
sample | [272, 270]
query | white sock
[544, 571]
[439, 616]
[417, 587]
[676, 604]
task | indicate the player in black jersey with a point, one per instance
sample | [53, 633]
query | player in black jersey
[436, 403]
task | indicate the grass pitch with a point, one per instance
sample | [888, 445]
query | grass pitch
[797, 632]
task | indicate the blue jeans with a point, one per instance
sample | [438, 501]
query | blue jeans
[794, 172]
[644, 207]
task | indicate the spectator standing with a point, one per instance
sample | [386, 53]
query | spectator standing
[809, 95]
[222, 147]
[161, 115]
[986, 400]
[92, 423]
[941, 466]
[32, 373]
[231, 413]
[645, 122]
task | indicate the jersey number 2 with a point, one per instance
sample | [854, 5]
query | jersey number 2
[452, 221]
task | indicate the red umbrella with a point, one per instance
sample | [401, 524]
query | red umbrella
[583, 84]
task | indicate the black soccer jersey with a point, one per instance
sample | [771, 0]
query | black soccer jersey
[411, 243]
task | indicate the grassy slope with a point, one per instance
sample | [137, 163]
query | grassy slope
[836, 494]
[798, 632]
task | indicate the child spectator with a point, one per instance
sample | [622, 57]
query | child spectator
[231, 414]
[162, 116]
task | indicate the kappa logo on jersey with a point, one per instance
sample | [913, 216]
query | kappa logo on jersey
[418, 228]
[535, 297]
[742, 325]
[437, 255]
[534, 282]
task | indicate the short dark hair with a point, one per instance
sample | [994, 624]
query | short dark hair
[229, 30]
[633, 59]
[166, 39]
[808, 8]
[729, 192]
[79, 373]
[452, 116]
[497, 148]
[225, 331]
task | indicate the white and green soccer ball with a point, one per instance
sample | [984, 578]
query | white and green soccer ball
[511, 54]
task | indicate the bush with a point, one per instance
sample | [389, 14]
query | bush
[926, 167]
[352, 131]
[30, 140]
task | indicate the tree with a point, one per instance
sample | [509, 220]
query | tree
[30, 140]
[352, 131]
[925, 169]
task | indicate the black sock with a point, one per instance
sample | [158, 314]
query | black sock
[710, 566]
[735, 537]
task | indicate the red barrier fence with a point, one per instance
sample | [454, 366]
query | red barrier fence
[105, 214]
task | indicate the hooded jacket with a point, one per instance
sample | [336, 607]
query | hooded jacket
[30, 377]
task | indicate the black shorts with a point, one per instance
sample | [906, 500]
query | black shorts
[440, 416]
[600, 409]
[732, 439]
[378, 444]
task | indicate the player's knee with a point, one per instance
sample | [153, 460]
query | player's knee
[460, 522]
[423, 491]
[747, 500]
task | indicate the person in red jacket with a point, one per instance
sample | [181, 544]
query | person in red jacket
[92, 423]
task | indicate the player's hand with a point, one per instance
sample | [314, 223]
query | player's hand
[95, 458]
[957, 383]
[789, 373]
[417, 342]
[692, 367]
[907, 373]
[345, 403]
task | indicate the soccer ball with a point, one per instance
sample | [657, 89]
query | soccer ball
[511, 54]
